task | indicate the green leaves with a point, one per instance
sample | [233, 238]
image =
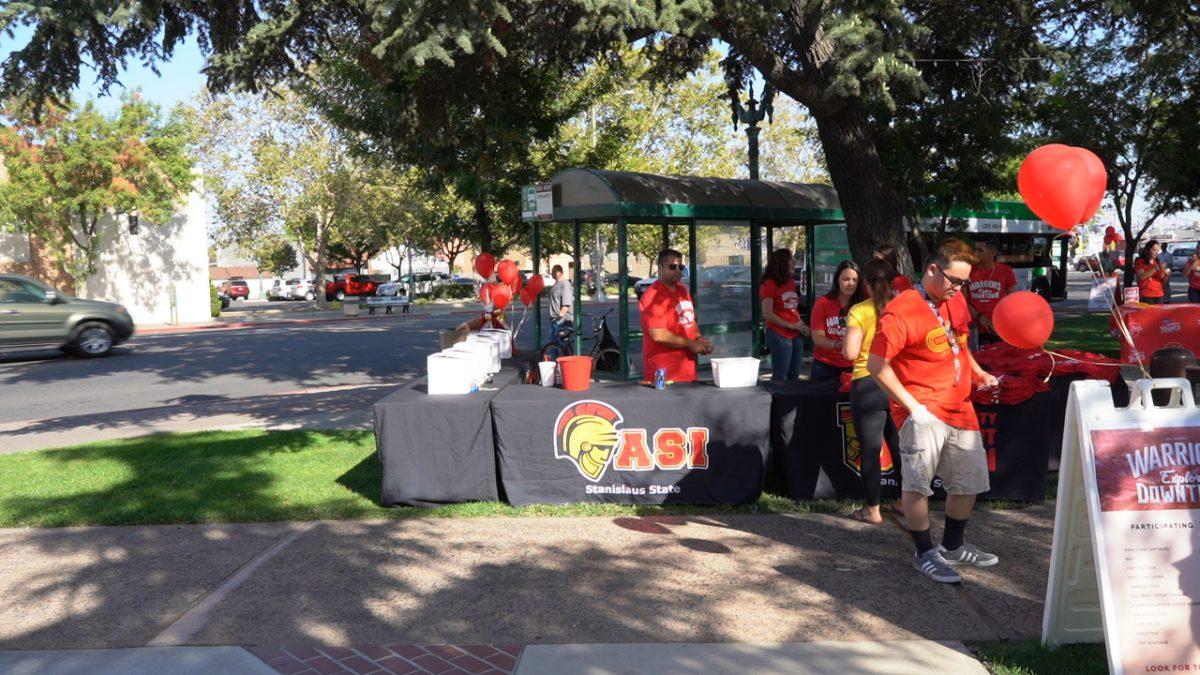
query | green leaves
[79, 166]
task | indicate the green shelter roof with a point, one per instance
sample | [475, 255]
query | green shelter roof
[596, 195]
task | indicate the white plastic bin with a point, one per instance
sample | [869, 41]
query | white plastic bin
[493, 349]
[449, 374]
[734, 372]
[505, 337]
[480, 361]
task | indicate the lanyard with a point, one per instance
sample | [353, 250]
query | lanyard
[948, 327]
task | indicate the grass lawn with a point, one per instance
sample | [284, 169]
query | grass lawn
[1088, 333]
[248, 476]
[1031, 658]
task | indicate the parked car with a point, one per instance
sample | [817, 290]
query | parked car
[390, 289]
[1181, 252]
[278, 291]
[33, 314]
[236, 289]
[349, 284]
[460, 280]
[547, 280]
[300, 289]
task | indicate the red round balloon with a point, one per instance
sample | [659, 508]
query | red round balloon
[507, 271]
[516, 285]
[1056, 185]
[1023, 320]
[536, 284]
[501, 295]
[485, 264]
[1097, 179]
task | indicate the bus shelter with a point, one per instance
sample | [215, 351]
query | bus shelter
[730, 213]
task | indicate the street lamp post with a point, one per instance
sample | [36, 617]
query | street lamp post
[750, 114]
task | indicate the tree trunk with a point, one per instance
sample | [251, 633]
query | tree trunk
[322, 249]
[873, 209]
[483, 228]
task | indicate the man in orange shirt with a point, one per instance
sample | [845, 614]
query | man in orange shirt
[921, 359]
[670, 336]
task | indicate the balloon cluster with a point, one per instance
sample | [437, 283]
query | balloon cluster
[1064, 186]
[508, 284]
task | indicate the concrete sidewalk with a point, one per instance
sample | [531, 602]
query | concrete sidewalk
[510, 581]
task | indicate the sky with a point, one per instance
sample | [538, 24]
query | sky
[180, 79]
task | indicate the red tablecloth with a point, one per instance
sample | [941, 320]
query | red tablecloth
[1153, 327]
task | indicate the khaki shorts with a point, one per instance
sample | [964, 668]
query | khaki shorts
[955, 455]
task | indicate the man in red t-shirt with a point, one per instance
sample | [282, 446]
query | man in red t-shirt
[990, 282]
[921, 359]
[670, 336]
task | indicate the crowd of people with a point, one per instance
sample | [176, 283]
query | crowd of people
[907, 350]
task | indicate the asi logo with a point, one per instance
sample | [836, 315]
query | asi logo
[588, 434]
[852, 449]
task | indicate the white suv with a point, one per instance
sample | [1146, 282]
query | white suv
[301, 289]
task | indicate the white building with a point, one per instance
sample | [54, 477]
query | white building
[160, 273]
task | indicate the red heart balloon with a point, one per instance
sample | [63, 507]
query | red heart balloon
[485, 295]
[516, 285]
[1098, 179]
[1023, 320]
[1056, 185]
[507, 271]
[535, 284]
[501, 295]
[527, 298]
[485, 264]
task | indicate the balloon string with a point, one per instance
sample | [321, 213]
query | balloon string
[1119, 319]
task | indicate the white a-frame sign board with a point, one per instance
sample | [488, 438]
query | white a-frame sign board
[1125, 562]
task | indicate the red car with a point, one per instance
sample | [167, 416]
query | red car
[237, 289]
[349, 284]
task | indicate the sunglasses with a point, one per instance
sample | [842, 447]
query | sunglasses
[954, 281]
[675, 266]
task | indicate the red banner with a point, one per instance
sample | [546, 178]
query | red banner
[1155, 327]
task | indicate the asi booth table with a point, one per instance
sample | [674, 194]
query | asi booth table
[625, 443]
[436, 450]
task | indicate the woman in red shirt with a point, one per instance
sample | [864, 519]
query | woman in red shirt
[828, 323]
[781, 311]
[1191, 272]
[1150, 273]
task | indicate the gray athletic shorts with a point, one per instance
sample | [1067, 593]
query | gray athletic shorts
[938, 449]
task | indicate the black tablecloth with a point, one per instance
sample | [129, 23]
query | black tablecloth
[631, 444]
[437, 450]
[815, 447]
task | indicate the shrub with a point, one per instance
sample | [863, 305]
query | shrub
[453, 292]
[214, 301]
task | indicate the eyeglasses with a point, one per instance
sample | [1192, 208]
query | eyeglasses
[675, 266]
[954, 281]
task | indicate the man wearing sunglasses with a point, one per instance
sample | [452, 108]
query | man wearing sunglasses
[921, 359]
[670, 335]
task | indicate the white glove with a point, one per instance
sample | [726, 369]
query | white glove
[921, 415]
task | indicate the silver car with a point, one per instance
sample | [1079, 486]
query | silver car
[300, 289]
[34, 315]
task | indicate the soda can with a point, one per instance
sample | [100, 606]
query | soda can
[660, 378]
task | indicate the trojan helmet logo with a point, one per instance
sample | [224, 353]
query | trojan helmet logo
[852, 449]
[586, 433]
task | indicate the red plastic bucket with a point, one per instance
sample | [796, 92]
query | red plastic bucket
[576, 372]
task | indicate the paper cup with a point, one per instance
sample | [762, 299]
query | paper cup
[548, 371]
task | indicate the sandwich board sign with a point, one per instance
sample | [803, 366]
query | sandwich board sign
[1125, 560]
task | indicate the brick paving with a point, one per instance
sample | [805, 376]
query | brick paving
[402, 659]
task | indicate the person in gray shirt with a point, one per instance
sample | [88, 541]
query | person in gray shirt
[1167, 261]
[562, 297]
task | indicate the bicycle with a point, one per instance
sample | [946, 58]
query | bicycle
[606, 356]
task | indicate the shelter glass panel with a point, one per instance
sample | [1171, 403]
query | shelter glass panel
[724, 297]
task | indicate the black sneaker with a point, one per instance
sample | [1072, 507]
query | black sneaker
[931, 564]
[968, 554]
